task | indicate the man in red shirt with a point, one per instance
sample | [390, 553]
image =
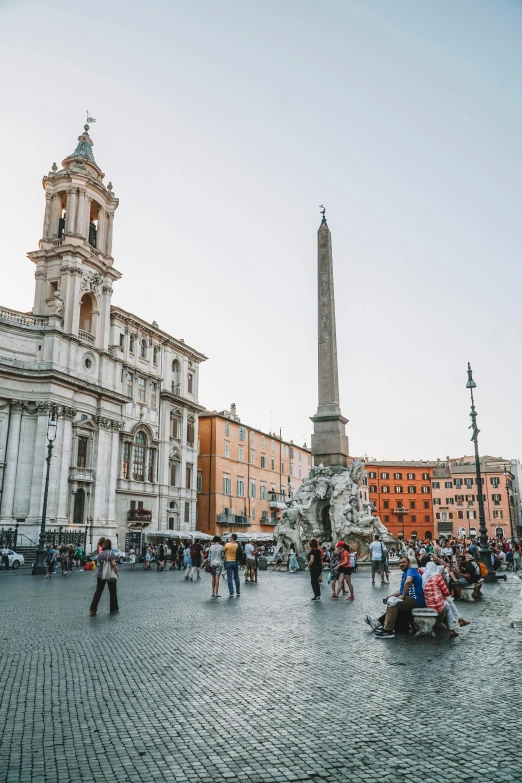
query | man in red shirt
[437, 597]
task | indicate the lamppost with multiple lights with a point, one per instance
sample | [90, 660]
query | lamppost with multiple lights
[39, 566]
[485, 551]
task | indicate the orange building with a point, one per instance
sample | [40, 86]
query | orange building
[401, 493]
[244, 475]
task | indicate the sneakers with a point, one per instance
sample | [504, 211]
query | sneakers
[382, 634]
[316, 598]
[374, 624]
[199, 577]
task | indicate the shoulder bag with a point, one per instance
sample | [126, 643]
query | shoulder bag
[107, 572]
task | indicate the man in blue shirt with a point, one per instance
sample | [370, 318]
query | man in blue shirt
[409, 596]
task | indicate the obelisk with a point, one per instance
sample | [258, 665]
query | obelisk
[329, 441]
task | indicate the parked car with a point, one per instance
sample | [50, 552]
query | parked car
[15, 560]
[121, 557]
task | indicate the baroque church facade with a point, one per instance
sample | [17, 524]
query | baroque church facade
[126, 392]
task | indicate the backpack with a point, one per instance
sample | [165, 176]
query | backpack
[194, 551]
[240, 555]
[482, 568]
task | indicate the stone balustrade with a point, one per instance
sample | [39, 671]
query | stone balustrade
[86, 337]
[24, 319]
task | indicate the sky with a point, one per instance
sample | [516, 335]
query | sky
[224, 125]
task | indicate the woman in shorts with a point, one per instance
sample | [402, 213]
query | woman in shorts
[334, 566]
[345, 571]
[215, 559]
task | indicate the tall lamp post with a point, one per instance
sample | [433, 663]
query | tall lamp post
[39, 566]
[507, 474]
[485, 551]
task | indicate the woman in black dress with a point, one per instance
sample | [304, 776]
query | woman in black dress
[315, 566]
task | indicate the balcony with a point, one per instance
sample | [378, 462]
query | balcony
[277, 501]
[234, 520]
[85, 337]
[139, 515]
[269, 520]
[81, 474]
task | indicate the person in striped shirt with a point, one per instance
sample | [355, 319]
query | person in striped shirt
[438, 598]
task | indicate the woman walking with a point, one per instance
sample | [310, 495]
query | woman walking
[315, 566]
[107, 575]
[215, 559]
[345, 570]
[293, 563]
[187, 562]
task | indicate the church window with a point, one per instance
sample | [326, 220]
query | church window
[81, 462]
[176, 377]
[190, 431]
[130, 380]
[141, 389]
[199, 485]
[153, 388]
[174, 472]
[86, 308]
[155, 355]
[131, 343]
[190, 383]
[138, 461]
[187, 512]
[175, 425]
[188, 476]
[143, 349]
[122, 341]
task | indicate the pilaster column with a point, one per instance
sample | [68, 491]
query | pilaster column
[11, 460]
[47, 216]
[71, 211]
[40, 307]
[66, 419]
[80, 221]
[100, 236]
[110, 223]
[40, 453]
[56, 215]
[104, 322]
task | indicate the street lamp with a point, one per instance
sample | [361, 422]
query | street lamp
[485, 551]
[509, 506]
[39, 564]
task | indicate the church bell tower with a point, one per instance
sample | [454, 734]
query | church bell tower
[74, 263]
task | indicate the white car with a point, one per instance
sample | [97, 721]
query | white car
[15, 560]
[121, 557]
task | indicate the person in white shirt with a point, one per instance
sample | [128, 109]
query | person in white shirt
[377, 552]
[215, 559]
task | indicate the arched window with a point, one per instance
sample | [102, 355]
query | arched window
[499, 532]
[172, 504]
[413, 534]
[175, 424]
[131, 343]
[176, 377]
[138, 457]
[143, 349]
[191, 431]
[155, 354]
[86, 308]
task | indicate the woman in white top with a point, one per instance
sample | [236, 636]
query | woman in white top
[215, 558]
[132, 558]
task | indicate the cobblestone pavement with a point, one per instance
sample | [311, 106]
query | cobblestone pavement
[267, 688]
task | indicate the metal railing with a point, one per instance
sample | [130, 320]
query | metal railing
[9, 537]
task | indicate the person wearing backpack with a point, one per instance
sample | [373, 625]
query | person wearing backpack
[107, 575]
[196, 555]
[50, 559]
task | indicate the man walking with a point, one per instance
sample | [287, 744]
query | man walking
[231, 565]
[250, 570]
[377, 555]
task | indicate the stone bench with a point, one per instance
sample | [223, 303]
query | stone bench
[472, 592]
[424, 620]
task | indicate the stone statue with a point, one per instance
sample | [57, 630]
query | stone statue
[59, 306]
[328, 506]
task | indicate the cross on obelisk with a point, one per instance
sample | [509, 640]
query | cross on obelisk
[329, 441]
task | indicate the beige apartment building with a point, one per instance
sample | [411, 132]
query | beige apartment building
[245, 476]
[455, 497]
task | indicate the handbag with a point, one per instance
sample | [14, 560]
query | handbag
[107, 572]
[208, 567]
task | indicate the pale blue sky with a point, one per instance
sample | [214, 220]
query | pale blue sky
[223, 125]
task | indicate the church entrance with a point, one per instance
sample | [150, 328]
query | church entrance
[79, 507]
